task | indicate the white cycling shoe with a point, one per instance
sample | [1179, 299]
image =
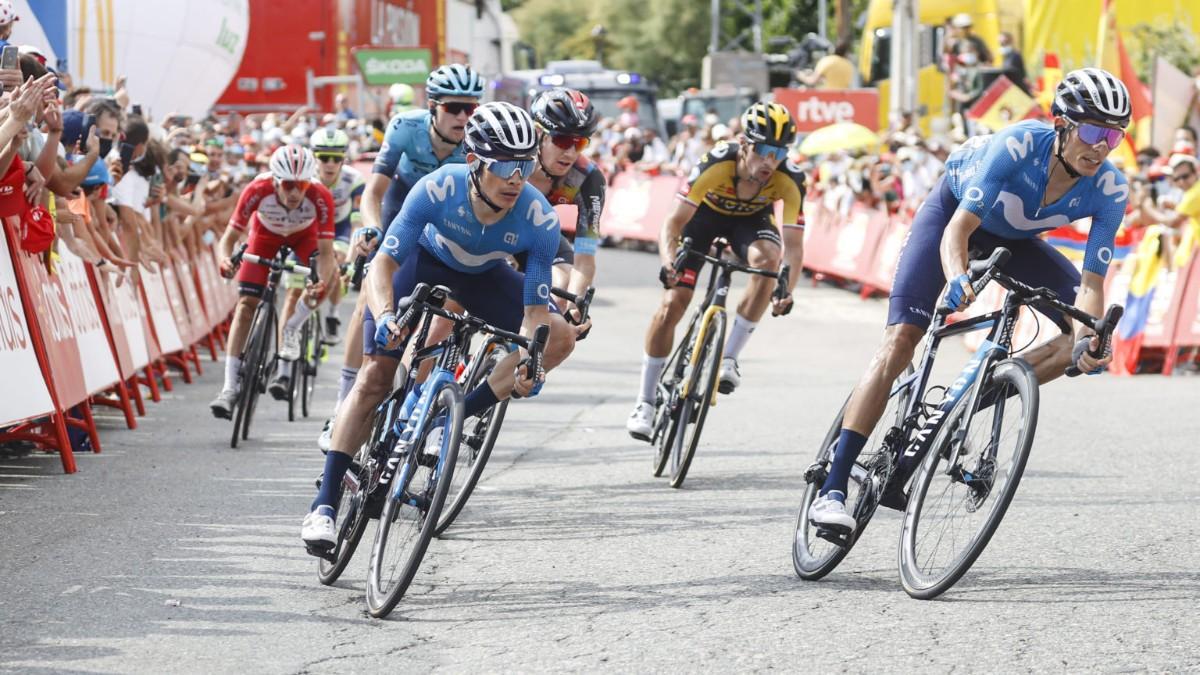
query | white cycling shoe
[290, 349]
[641, 421]
[317, 530]
[730, 378]
[827, 512]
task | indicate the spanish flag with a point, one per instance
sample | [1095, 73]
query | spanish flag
[1002, 104]
[1111, 56]
[1052, 74]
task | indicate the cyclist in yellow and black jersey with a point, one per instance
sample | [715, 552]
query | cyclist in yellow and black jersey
[731, 194]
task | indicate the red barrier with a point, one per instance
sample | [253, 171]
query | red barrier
[844, 247]
[637, 205]
[882, 268]
[1186, 330]
[21, 361]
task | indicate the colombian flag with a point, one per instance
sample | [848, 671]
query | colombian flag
[1148, 264]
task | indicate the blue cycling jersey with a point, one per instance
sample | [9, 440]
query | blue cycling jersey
[438, 216]
[407, 151]
[1002, 179]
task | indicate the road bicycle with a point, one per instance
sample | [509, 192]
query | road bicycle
[687, 387]
[964, 452]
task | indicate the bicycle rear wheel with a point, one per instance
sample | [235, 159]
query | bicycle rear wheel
[473, 455]
[813, 557]
[353, 515]
[693, 409]
[967, 480]
[413, 505]
[666, 403]
[310, 353]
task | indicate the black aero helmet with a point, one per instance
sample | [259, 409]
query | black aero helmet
[769, 123]
[564, 111]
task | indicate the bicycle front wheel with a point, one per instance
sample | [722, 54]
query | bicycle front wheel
[473, 455]
[252, 356]
[256, 377]
[353, 515]
[414, 503]
[310, 354]
[967, 480]
[693, 409]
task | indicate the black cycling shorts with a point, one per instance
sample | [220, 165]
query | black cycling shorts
[739, 231]
[564, 256]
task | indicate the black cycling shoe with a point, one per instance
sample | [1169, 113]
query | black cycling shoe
[280, 388]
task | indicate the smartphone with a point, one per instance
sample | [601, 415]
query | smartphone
[9, 58]
[136, 108]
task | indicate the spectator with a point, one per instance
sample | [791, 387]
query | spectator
[968, 85]
[964, 38]
[1185, 141]
[1185, 218]
[834, 71]
[8, 16]
[344, 112]
[1013, 64]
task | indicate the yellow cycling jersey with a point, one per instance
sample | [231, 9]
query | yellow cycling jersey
[714, 183]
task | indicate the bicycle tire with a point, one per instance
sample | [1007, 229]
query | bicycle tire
[262, 372]
[482, 364]
[1009, 375]
[813, 557]
[447, 400]
[310, 353]
[664, 413]
[704, 380]
[245, 377]
[353, 516]
[296, 369]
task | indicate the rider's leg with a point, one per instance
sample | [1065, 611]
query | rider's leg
[561, 278]
[660, 336]
[918, 283]
[239, 330]
[764, 253]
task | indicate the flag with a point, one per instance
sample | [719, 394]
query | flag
[1111, 56]
[1002, 104]
[1052, 74]
[1148, 265]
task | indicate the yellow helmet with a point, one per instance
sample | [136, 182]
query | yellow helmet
[769, 123]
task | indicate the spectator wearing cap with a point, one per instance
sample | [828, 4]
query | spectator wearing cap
[1185, 218]
[81, 154]
[964, 35]
[1185, 141]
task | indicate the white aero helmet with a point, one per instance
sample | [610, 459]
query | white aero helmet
[1092, 94]
[501, 130]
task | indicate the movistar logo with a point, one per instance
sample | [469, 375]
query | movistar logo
[1108, 185]
[438, 191]
[539, 217]
[1019, 150]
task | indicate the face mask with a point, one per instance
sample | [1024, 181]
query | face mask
[106, 145]
[209, 237]
[968, 59]
[1006, 50]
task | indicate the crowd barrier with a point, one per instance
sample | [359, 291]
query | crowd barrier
[862, 247]
[71, 338]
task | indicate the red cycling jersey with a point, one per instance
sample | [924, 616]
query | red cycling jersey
[259, 203]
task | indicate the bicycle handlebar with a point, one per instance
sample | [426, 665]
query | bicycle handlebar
[1104, 328]
[360, 263]
[781, 288]
[582, 303]
[685, 252]
[276, 264]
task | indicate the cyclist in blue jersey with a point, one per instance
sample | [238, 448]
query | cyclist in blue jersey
[1001, 191]
[416, 142]
[458, 228]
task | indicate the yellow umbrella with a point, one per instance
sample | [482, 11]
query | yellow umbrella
[840, 136]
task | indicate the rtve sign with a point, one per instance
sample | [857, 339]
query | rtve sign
[816, 108]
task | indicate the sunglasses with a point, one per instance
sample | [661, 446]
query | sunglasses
[565, 142]
[1092, 134]
[458, 107]
[290, 185]
[505, 168]
[1184, 177]
[329, 157]
[773, 151]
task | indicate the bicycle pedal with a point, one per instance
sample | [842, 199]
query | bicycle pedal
[816, 473]
[427, 460]
[323, 552]
[838, 536]
[474, 442]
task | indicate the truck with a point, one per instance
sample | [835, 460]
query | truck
[605, 87]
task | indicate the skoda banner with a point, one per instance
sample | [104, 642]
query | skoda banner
[389, 66]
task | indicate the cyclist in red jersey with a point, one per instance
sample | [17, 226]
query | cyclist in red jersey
[284, 206]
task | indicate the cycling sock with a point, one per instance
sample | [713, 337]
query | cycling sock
[298, 317]
[652, 367]
[479, 400]
[336, 464]
[850, 444]
[346, 383]
[232, 364]
[739, 335]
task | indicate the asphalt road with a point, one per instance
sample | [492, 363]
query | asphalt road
[171, 552]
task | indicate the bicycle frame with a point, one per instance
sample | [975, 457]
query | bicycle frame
[714, 303]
